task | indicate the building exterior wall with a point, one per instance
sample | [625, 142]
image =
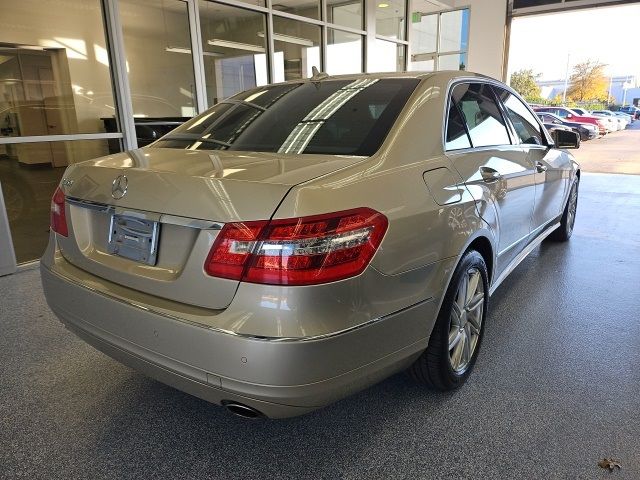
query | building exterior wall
[553, 88]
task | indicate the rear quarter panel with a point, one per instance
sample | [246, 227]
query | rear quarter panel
[421, 231]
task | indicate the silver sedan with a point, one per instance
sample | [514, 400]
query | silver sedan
[298, 242]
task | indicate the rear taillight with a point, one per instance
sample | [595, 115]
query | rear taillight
[298, 251]
[58, 214]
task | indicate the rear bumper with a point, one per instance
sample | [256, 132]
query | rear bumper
[295, 376]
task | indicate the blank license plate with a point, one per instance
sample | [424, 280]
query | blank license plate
[134, 238]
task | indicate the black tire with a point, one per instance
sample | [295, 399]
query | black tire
[567, 220]
[434, 367]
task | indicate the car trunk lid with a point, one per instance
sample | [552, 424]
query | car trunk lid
[146, 219]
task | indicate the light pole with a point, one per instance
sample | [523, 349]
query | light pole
[566, 80]
[625, 86]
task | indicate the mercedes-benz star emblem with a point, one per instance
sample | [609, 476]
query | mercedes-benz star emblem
[119, 187]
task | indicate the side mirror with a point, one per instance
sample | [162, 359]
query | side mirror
[569, 115]
[565, 139]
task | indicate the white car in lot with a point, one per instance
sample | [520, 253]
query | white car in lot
[616, 122]
[625, 116]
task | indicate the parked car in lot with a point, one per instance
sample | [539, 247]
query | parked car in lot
[585, 130]
[631, 110]
[625, 116]
[300, 241]
[618, 123]
[581, 111]
[568, 114]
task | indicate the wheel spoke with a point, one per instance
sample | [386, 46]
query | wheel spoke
[475, 302]
[474, 323]
[456, 357]
[454, 338]
[466, 355]
[461, 298]
[456, 314]
[472, 285]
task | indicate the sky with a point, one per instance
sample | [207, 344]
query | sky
[542, 42]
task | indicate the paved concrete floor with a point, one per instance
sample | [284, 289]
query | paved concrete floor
[617, 152]
[556, 388]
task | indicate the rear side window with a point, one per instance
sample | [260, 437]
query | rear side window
[457, 137]
[524, 122]
[333, 117]
[481, 113]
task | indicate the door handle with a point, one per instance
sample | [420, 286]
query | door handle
[489, 175]
[541, 167]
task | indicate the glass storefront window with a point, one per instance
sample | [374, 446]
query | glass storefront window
[438, 40]
[386, 57]
[27, 191]
[345, 13]
[424, 41]
[454, 28]
[54, 69]
[159, 62]
[344, 52]
[456, 61]
[234, 49]
[390, 18]
[304, 8]
[297, 49]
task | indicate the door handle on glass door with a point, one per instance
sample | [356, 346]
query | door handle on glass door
[541, 167]
[489, 175]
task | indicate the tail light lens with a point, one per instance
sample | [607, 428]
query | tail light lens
[58, 214]
[298, 251]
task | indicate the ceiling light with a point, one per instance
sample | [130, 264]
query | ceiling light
[235, 45]
[383, 5]
[279, 37]
[177, 50]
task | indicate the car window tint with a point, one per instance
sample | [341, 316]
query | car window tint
[457, 137]
[333, 117]
[524, 122]
[561, 113]
[482, 115]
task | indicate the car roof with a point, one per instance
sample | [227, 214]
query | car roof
[441, 75]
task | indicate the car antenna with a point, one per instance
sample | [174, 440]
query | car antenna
[317, 74]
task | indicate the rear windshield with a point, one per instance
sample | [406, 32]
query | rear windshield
[334, 117]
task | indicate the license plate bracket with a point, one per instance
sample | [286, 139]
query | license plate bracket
[134, 238]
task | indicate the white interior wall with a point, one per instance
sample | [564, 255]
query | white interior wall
[487, 27]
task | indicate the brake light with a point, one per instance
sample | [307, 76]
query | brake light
[58, 214]
[298, 251]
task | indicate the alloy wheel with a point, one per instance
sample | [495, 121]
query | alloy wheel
[466, 320]
[573, 206]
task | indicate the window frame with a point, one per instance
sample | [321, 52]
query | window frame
[548, 141]
[508, 127]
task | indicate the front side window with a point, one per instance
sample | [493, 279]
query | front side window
[333, 117]
[524, 122]
[481, 113]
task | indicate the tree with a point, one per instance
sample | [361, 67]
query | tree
[524, 82]
[588, 82]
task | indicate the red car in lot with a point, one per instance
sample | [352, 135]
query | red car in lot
[568, 114]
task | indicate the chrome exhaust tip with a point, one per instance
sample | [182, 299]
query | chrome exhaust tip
[241, 410]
